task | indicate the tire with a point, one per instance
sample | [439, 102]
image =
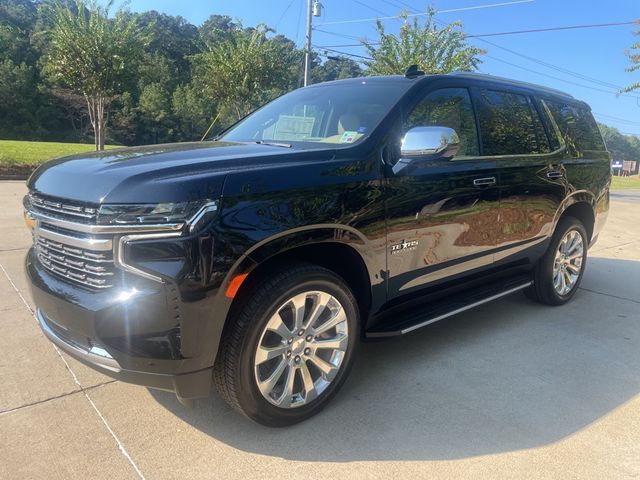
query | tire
[241, 369]
[547, 286]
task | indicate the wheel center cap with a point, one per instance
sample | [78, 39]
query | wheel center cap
[298, 345]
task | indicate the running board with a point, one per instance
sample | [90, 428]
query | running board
[446, 308]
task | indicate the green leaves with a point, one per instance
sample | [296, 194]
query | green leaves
[434, 49]
[621, 147]
[89, 51]
[633, 53]
[246, 69]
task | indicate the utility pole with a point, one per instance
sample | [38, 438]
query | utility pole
[307, 49]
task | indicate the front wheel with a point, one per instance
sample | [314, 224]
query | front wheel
[559, 273]
[290, 347]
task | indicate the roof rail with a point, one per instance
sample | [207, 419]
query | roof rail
[486, 76]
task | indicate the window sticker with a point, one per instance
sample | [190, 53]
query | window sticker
[348, 137]
[293, 127]
[362, 129]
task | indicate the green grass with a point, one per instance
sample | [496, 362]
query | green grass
[625, 183]
[17, 153]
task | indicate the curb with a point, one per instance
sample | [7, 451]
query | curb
[14, 177]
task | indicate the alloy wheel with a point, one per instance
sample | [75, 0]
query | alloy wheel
[567, 264]
[301, 349]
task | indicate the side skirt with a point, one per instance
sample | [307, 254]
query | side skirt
[432, 312]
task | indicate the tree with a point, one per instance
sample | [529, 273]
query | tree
[155, 107]
[17, 102]
[433, 49]
[634, 55]
[246, 70]
[621, 147]
[17, 19]
[172, 38]
[335, 68]
[92, 53]
[192, 112]
[217, 28]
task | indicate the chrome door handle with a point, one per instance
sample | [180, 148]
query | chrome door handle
[554, 174]
[481, 182]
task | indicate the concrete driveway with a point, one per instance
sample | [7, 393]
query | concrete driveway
[509, 390]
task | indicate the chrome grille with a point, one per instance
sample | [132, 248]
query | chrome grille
[64, 209]
[90, 268]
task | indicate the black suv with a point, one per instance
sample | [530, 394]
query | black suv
[355, 209]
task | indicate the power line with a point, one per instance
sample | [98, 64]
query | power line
[451, 10]
[342, 53]
[298, 22]
[283, 14]
[408, 6]
[571, 27]
[555, 78]
[343, 35]
[346, 45]
[565, 71]
[554, 67]
[617, 119]
[366, 5]
[400, 4]
[553, 29]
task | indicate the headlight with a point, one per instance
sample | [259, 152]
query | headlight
[195, 214]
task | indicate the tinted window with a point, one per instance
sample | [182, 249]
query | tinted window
[448, 107]
[541, 135]
[577, 126]
[555, 137]
[508, 125]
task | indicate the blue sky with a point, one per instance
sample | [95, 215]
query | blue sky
[597, 53]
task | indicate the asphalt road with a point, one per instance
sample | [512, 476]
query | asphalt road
[509, 390]
[631, 196]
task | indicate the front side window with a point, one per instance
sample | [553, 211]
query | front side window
[340, 114]
[447, 107]
[507, 125]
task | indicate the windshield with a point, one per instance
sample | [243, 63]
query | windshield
[335, 113]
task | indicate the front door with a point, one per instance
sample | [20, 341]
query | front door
[442, 218]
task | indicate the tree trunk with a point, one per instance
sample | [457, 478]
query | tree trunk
[96, 106]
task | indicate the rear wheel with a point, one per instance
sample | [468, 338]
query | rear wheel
[290, 348]
[559, 273]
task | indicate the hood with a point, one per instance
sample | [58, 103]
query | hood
[159, 173]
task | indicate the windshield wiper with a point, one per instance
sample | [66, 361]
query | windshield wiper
[273, 144]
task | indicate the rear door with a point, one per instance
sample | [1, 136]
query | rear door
[442, 218]
[532, 179]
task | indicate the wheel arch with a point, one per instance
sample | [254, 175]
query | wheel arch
[580, 205]
[340, 249]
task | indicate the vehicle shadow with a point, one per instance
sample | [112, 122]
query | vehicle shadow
[509, 375]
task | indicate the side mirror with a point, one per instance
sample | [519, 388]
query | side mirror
[426, 143]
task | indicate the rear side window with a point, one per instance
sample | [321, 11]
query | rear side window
[577, 126]
[509, 124]
[447, 107]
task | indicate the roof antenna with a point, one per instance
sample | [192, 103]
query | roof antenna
[413, 72]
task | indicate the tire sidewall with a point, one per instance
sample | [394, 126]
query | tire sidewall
[249, 396]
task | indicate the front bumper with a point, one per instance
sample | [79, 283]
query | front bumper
[186, 386]
[131, 338]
